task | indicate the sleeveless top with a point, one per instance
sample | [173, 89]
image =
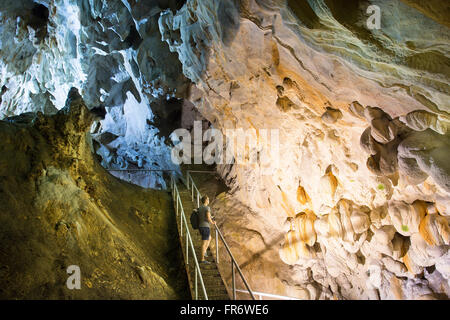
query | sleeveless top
[202, 220]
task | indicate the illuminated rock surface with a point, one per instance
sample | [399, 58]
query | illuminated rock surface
[358, 206]
[363, 118]
[113, 55]
[59, 208]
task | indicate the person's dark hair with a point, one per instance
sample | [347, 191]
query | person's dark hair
[204, 199]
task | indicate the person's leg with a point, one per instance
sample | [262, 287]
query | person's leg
[209, 242]
[209, 239]
[205, 244]
[208, 246]
[206, 239]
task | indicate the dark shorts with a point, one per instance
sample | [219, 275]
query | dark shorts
[204, 232]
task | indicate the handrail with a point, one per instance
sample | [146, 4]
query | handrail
[234, 264]
[201, 171]
[189, 244]
[129, 171]
[269, 295]
[140, 169]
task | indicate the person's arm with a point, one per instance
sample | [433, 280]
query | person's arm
[208, 217]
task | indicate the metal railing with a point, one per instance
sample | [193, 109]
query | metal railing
[140, 170]
[189, 244]
[268, 295]
[234, 264]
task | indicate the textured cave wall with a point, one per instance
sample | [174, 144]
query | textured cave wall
[113, 53]
[37, 47]
[358, 206]
[59, 208]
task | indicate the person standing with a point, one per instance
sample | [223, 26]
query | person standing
[204, 222]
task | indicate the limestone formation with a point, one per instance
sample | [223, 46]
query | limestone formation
[406, 218]
[426, 152]
[382, 129]
[356, 203]
[434, 229]
[365, 205]
[421, 120]
[331, 115]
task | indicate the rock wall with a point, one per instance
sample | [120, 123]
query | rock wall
[60, 208]
[358, 205]
[112, 52]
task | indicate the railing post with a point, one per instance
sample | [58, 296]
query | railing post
[195, 286]
[187, 248]
[198, 199]
[181, 223]
[217, 247]
[187, 181]
[233, 279]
